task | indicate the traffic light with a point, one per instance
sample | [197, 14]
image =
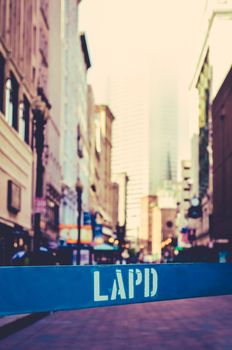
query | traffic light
[195, 210]
[174, 241]
[120, 234]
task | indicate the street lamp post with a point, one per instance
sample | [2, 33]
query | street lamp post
[79, 190]
[40, 119]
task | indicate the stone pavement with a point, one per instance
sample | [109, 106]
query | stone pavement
[202, 323]
[13, 323]
[5, 320]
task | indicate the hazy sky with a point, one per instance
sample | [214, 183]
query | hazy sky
[130, 36]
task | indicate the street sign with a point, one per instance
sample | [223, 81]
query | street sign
[51, 288]
[68, 233]
[39, 205]
[87, 218]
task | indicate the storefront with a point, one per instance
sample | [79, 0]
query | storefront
[12, 239]
[16, 161]
[106, 254]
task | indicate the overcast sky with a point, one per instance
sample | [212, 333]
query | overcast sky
[127, 36]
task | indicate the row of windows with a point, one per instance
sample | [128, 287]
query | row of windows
[16, 112]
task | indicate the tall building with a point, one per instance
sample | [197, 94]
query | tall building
[163, 129]
[122, 180]
[24, 109]
[130, 143]
[74, 121]
[103, 193]
[147, 223]
[69, 73]
[211, 69]
[52, 176]
[104, 189]
[221, 220]
[144, 137]
[92, 148]
[84, 64]
[195, 164]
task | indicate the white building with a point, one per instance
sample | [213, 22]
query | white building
[130, 143]
[163, 128]
[217, 24]
[122, 181]
[74, 131]
[52, 175]
[82, 126]
[144, 137]
[69, 37]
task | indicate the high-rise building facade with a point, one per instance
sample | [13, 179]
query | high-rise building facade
[104, 189]
[84, 64]
[74, 119]
[69, 39]
[146, 227]
[121, 180]
[210, 72]
[130, 143]
[221, 220]
[24, 107]
[52, 176]
[163, 129]
[144, 138]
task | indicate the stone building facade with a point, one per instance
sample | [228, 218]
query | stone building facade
[23, 85]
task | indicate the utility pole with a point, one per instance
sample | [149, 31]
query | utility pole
[79, 190]
[39, 113]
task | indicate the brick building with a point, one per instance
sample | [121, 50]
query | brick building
[221, 223]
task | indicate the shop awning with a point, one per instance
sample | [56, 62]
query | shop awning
[106, 247]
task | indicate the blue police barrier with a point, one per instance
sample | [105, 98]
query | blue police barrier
[51, 288]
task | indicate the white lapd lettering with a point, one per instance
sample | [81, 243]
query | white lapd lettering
[135, 278]
[146, 283]
[155, 282]
[118, 286]
[97, 296]
[139, 277]
[131, 284]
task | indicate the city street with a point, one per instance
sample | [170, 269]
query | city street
[203, 323]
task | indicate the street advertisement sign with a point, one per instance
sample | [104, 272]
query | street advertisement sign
[40, 205]
[87, 218]
[105, 285]
[97, 229]
[68, 233]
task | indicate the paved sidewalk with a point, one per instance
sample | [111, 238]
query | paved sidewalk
[203, 323]
[13, 323]
[5, 320]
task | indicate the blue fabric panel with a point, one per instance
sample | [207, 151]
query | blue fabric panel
[49, 288]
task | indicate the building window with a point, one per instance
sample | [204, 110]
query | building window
[11, 99]
[24, 118]
[2, 69]
[21, 121]
[9, 103]
[44, 10]
[13, 197]
[34, 39]
[52, 214]
[27, 119]
[79, 142]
